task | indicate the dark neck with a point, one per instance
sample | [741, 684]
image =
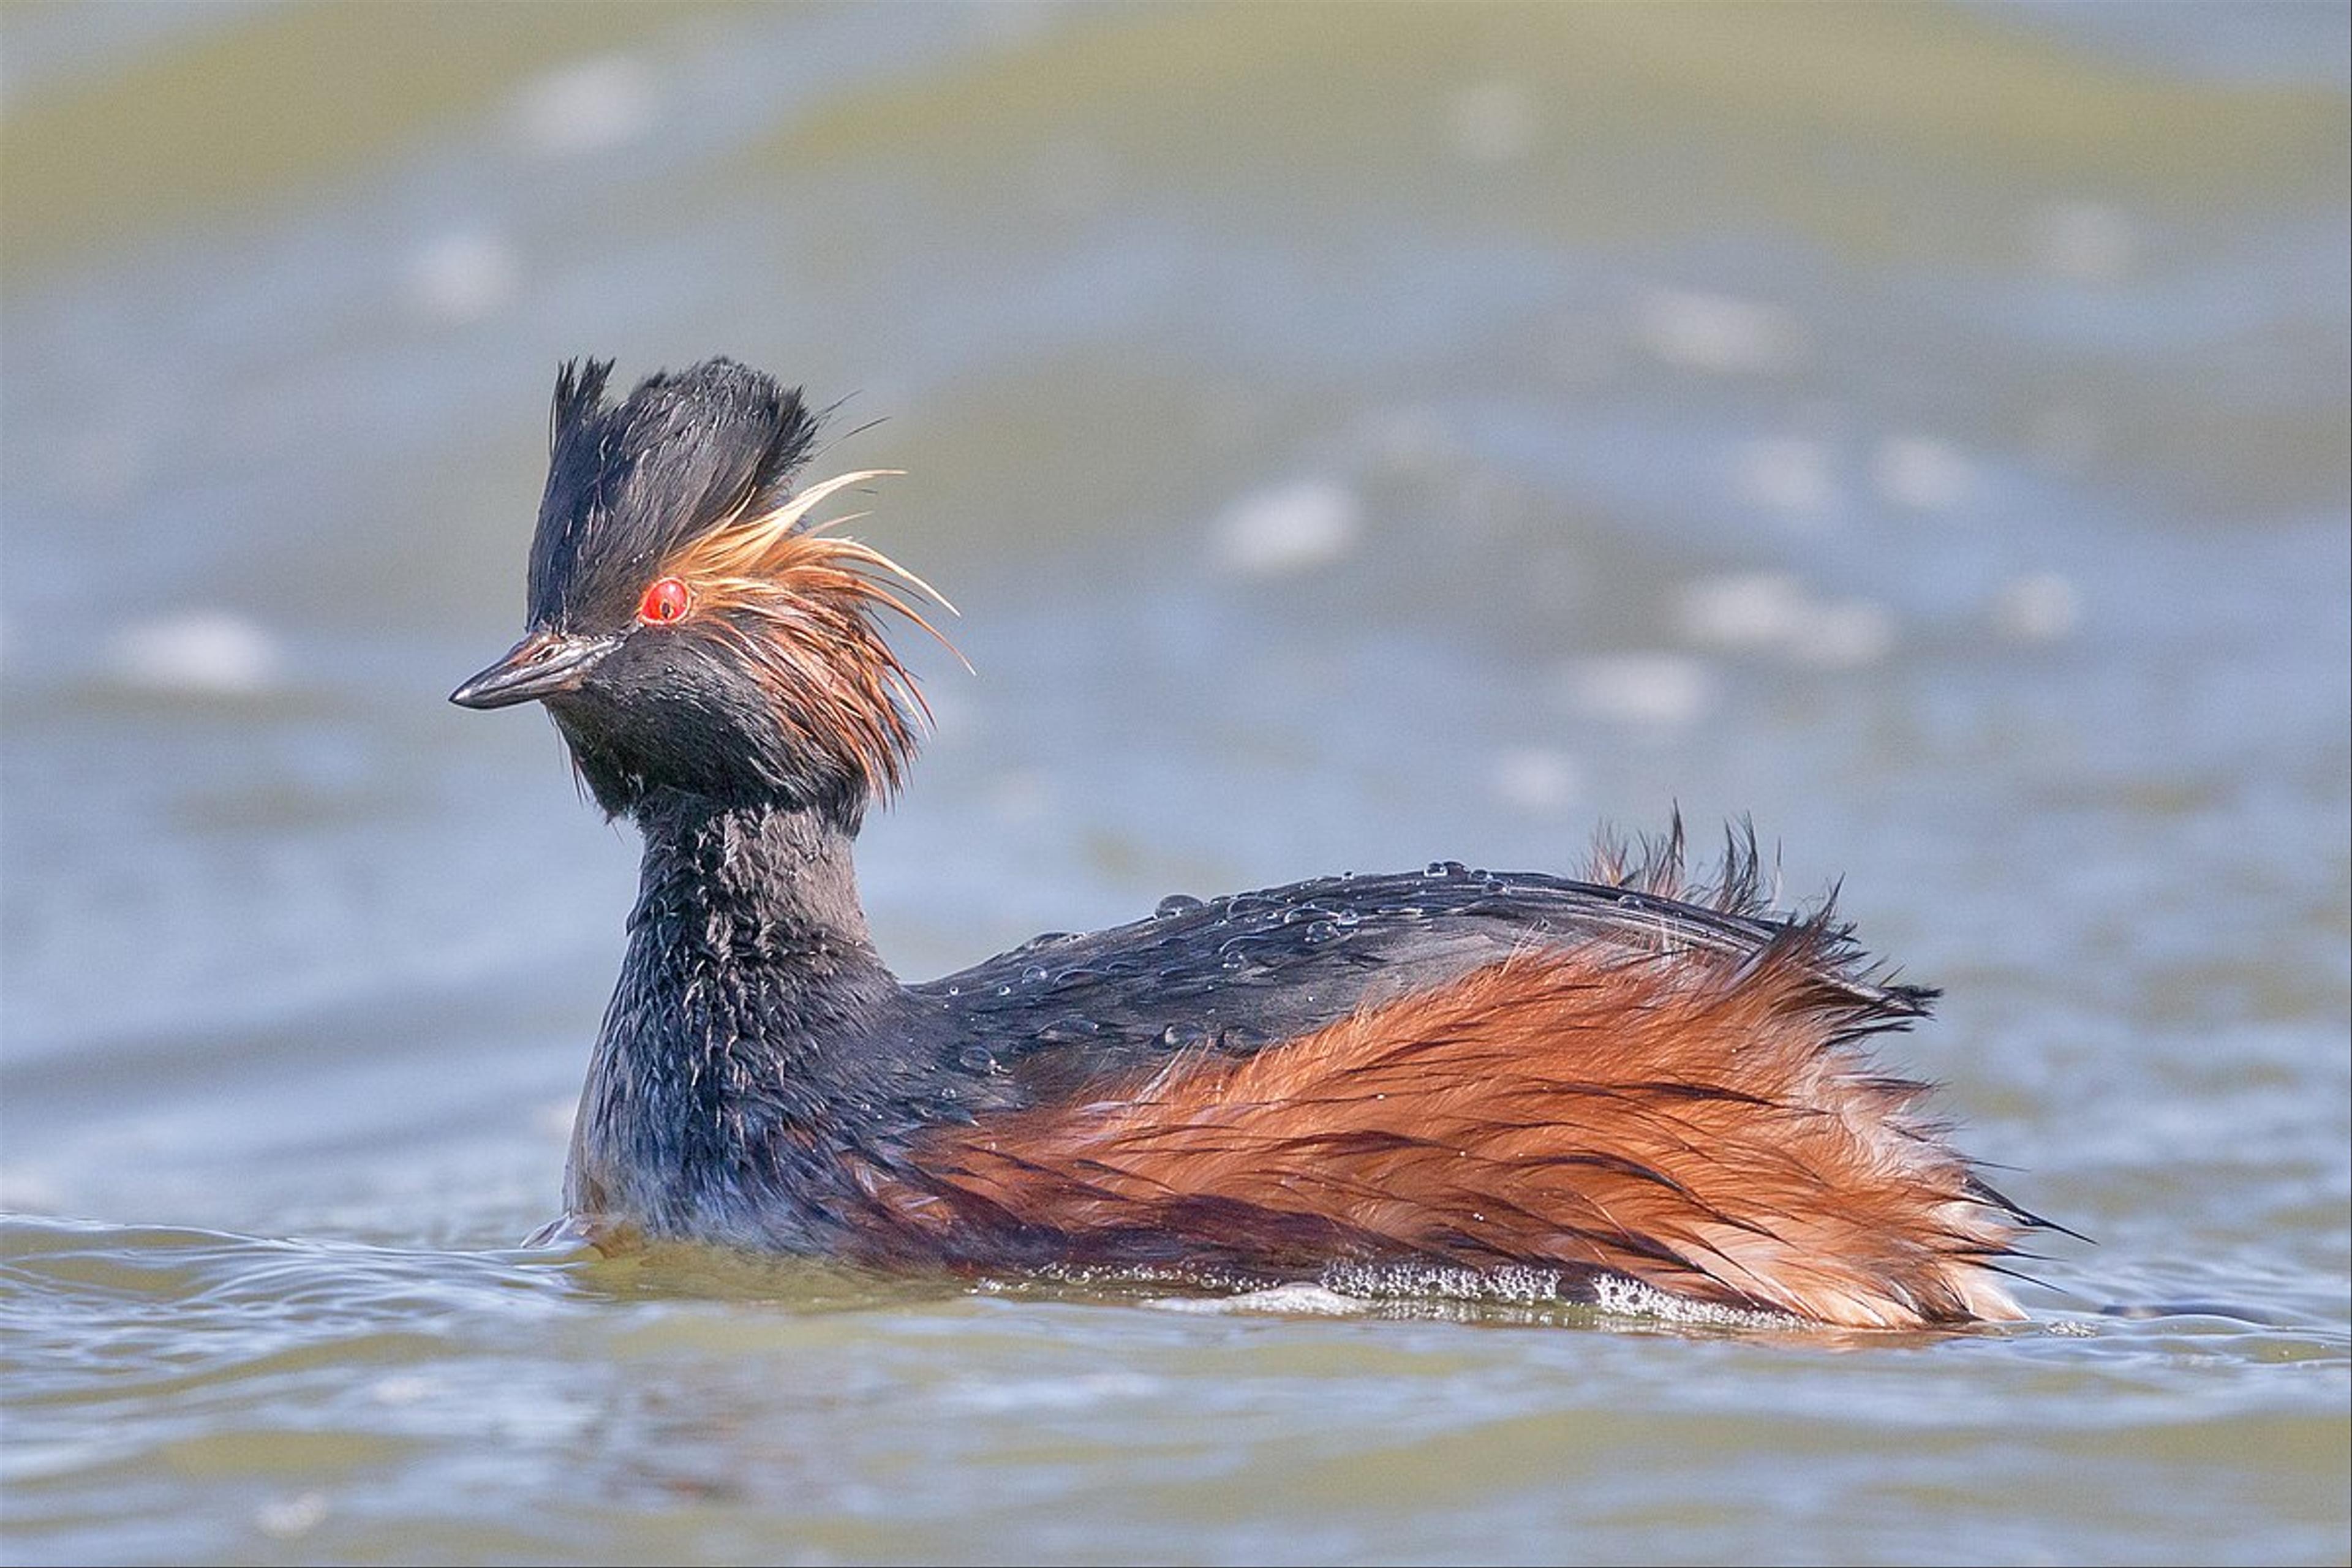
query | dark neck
[750, 1007]
[738, 888]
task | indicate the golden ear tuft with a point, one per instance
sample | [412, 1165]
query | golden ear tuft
[800, 606]
[747, 562]
[740, 545]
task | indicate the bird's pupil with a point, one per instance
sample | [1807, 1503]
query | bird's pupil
[664, 601]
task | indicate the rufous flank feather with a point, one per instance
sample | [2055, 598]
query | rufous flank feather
[1713, 1130]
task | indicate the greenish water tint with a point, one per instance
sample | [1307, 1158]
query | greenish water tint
[1353, 439]
[338, 1401]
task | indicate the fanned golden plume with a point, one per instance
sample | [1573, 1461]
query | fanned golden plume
[800, 608]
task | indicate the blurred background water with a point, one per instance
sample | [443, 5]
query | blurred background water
[1353, 438]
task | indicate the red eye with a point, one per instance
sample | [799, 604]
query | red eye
[664, 601]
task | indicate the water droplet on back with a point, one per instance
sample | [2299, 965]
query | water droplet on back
[1042, 939]
[1176, 904]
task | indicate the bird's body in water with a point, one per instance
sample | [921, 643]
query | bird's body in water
[1617, 1078]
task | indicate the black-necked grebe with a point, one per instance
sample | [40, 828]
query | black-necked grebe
[1613, 1079]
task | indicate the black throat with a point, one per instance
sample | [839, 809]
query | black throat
[759, 889]
[757, 1050]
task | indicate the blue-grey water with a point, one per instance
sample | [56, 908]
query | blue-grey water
[1353, 438]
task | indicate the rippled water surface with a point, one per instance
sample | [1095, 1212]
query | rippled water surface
[1353, 439]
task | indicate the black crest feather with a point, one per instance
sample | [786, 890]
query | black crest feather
[629, 483]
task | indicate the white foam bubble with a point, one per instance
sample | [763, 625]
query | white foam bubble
[1288, 528]
[1669, 690]
[1351, 1289]
[292, 1517]
[201, 653]
[1615, 1294]
[1078, 1392]
[2041, 606]
[1742, 609]
[1493, 122]
[403, 1388]
[587, 105]
[1923, 473]
[2088, 242]
[27, 1190]
[1717, 333]
[1538, 779]
[1789, 475]
[1309, 1300]
[463, 276]
[1517, 1284]
[1774, 612]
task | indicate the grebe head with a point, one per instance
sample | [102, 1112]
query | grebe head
[688, 626]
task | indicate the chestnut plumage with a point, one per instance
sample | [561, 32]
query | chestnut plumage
[1616, 1078]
